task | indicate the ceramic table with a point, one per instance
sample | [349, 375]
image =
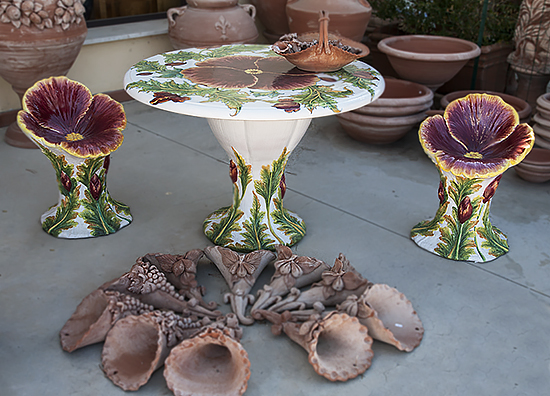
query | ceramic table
[258, 106]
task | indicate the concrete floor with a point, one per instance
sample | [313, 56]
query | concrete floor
[487, 326]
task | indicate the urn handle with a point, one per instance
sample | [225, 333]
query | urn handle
[173, 13]
[250, 9]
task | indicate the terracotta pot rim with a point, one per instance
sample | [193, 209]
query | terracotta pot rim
[542, 121]
[535, 177]
[385, 46]
[538, 157]
[383, 121]
[523, 111]
[544, 113]
[542, 131]
[393, 111]
[426, 95]
[544, 101]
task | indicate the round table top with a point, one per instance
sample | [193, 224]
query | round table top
[248, 82]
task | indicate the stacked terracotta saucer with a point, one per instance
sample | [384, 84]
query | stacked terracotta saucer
[535, 167]
[541, 121]
[401, 107]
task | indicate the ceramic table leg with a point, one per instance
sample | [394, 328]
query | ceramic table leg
[258, 152]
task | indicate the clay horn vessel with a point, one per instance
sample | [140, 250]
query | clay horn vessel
[336, 285]
[95, 316]
[136, 346]
[290, 271]
[321, 54]
[180, 271]
[211, 363]
[339, 346]
[150, 285]
[388, 315]
[240, 271]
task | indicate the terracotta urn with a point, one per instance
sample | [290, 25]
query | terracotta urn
[272, 14]
[348, 18]
[428, 60]
[38, 39]
[211, 23]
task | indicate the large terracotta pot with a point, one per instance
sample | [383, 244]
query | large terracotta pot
[272, 14]
[348, 18]
[211, 23]
[428, 60]
[38, 39]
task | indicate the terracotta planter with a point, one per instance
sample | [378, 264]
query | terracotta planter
[211, 23]
[492, 70]
[536, 166]
[521, 106]
[348, 18]
[378, 130]
[272, 14]
[42, 38]
[428, 60]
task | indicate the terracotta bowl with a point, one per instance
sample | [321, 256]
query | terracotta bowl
[541, 130]
[539, 157]
[544, 101]
[428, 60]
[543, 122]
[378, 130]
[534, 177]
[314, 59]
[540, 139]
[543, 112]
[522, 107]
[400, 98]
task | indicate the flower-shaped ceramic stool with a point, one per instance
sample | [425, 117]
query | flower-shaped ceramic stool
[258, 106]
[77, 132]
[472, 144]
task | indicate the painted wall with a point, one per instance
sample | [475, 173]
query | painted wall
[101, 67]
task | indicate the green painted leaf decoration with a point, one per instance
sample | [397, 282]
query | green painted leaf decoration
[65, 215]
[494, 240]
[230, 50]
[220, 233]
[427, 227]
[232, 98]
[183, 56]
[347, 75]
[463, 186]
[457, 240]
[292, 227]
[61, 166]
[245, 172]
[320, 96]
[255, 235]
[101, 219]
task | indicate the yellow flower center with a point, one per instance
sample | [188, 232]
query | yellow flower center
[73, 137]
[473, 155]
[253, 71]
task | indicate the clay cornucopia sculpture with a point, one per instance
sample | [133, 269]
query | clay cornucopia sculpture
[155, 315]
[291, 271]
[240, 271]
[388, 315]
[338, 346]
[212, 363]
[339, 282]
[137, 346]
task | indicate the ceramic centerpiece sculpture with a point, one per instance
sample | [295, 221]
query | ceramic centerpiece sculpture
[472, 144]
[38, 39]
[77, 132]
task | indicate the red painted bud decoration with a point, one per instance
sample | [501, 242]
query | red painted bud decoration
[282, 185]
[491, 189]
[106, 163]
[95, 187]
[66, 181]
[465, 210]
[441, 193]
[233, 173]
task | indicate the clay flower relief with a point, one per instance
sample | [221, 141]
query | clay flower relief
[478, 136]
[271, 73]
[62, 113]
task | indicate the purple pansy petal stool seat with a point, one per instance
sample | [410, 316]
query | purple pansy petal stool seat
[472, 144]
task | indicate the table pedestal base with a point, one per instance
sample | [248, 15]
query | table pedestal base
[258, 152]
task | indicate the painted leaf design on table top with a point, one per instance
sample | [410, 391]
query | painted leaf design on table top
[146, 67]
[359, 78]
[320, 96]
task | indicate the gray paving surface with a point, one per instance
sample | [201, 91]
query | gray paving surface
[487, 326]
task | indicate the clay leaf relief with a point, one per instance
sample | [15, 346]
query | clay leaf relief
[241, 79]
